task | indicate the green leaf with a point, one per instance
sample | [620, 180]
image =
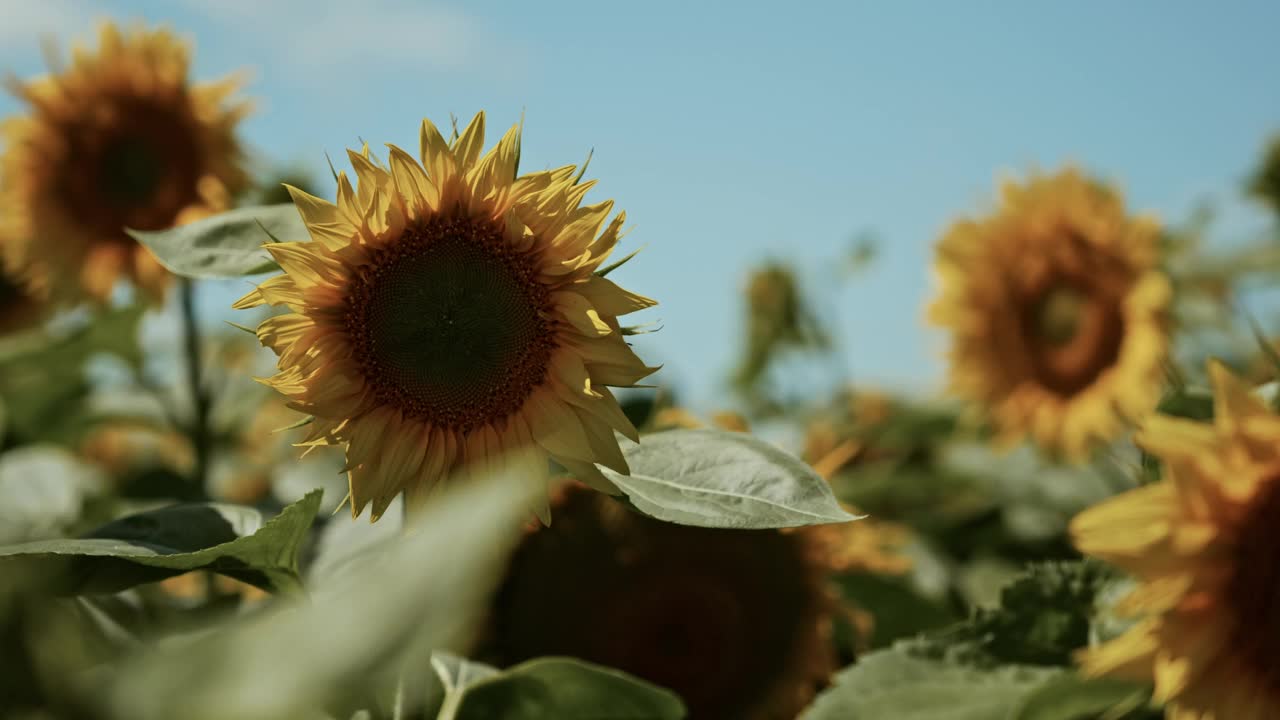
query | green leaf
[563, 689]
[1071, 697]
[153, 545]
[1187, 402]
[894, 684]
[1042, 619]
[424, 589]
[225, 245]
[713, 478]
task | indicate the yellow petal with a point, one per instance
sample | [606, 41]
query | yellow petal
[1127, 528]
[327, 225]
[496, 171]
[437, 158]
[1232, 400]
[411, 181]
[467, 148]
[580, 314]
[304, 264]
[555, 427]
[610, 299]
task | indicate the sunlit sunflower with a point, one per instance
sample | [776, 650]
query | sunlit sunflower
[448, 314]
[1057, 313]
[1202, 544]
[738, 623]
[24, 299]
[120, 138]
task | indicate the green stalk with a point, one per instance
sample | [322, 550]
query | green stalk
[200, 400]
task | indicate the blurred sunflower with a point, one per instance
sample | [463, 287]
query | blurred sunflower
[118, 139]
[738, 623]
[24, 299]
[1057, 311]
[1202, 543]
[448, 315]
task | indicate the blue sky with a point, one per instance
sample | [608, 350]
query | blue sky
[735, 132]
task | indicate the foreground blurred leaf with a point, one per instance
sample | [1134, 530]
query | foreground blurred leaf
[170, 541]
[225, 245]
[561, 689]
[422, 591]
[894, 684]
[712, 478]
[1071, 697]
[44, 489]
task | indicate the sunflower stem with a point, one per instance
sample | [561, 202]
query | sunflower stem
[200, 400]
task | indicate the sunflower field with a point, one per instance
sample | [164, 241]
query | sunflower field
[388, 441]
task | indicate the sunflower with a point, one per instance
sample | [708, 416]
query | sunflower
[1202, 544]
[118, 139]
[24, 299]
[738, 623]
[450, 313]
[1057, 311]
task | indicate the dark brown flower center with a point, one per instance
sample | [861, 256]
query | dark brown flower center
[724, 618]
[131, 163]
[1252, 595]
[1073, 332]
[450, 325]
[1068, 302]
[10, 292]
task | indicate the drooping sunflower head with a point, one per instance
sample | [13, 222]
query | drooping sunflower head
[1202, 544]
[1057, 312]
[119, 138]
[447, 315]
[738, 623]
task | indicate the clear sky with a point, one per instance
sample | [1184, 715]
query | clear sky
[732, 132]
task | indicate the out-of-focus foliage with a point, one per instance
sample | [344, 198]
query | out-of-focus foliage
[1265, 184]
[779, 320]
[175, 542]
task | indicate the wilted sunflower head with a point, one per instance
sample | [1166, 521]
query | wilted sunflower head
[1202, 544]
[1057, 311]
[119, 138]
[447, 317]
[736, 622]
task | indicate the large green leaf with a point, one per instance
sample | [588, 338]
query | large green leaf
[712, 478]
[895, 684]
[561, 689]
[225, 245]
[170, 541]
[1071, 697]
[420, 591]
